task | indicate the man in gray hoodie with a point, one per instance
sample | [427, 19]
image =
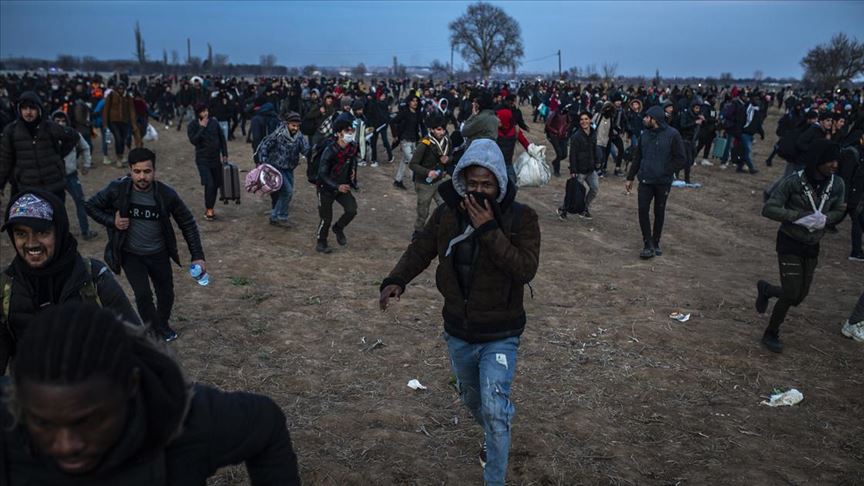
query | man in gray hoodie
[659, 155]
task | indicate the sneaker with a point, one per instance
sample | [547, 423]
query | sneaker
[657, 250]
[853, 331]
[754, 171]
[399, 185]
[761, 298]
[374, 163]
[856, 257]
[706, 163]
[390, 161]
[647, 252]
[585, 215]
[167, 334]
[210, 215]
[618, 173]
[724, 165]
[562, 215]
[321, 247]
[482, 456]
[90, 235]
[107, 161]
[340, 235]
[771, 340]
[280, 223]
[362, 163]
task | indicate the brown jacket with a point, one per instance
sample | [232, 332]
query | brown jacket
[508, 257]
[120, 109]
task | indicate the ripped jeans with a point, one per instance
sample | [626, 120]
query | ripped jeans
[484, 372]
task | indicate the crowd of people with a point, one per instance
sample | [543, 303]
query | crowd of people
[69, 333]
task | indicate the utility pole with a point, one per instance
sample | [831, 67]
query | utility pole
[452, 47]
[188, 50]
[559, 63]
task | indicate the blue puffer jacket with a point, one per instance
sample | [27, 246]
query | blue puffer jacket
[660, 152]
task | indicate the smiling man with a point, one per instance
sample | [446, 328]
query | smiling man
[47, 269]
[98, 403]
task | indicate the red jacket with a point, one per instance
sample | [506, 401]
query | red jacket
[506, 128]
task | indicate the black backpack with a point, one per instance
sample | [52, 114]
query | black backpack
[314, 159]
[574, 196]
[787, 148]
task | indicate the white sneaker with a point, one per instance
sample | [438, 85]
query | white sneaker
[362, 163]
[374, 163]
[107, 161]
[706, 162]
[723, 166]
[853, 331]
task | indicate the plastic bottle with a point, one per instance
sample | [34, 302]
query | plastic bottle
[198, 273]
[429, 180]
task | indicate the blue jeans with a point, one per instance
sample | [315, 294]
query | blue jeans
[73, 187]
[223, 125]
[747, 149]
[282, 198]
[484, 372]
[728, 150]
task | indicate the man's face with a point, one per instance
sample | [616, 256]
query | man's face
[36, 248]
[634, 107]
[328, 101]
[75, 425]
[827, 168]
[649, 122]
[481, 179]
[827, 123]
[584, 122]
[204, 114]
[413, 103]
[120, 90]
[29, 112]
[143, 175]
[839, 123]
[293, 127]
[438, 132]
[617, 103]
[60, 121]
[697, 109]
[669, 110]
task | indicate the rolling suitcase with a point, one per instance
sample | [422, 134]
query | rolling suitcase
[719, 147]
[231, 187]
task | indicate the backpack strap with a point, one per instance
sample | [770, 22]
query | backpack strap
[89, 291]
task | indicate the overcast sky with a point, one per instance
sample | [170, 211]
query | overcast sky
[681, 38]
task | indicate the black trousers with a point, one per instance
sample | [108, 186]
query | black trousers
[560, 146]
[211, 179]
[690, 156]
[796, 275]
[374, 143]
[658, 193]
[140, 271]
[326, 198]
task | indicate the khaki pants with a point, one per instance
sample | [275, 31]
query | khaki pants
[425, 194]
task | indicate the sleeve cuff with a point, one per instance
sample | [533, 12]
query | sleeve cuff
[486, 227]
[393, 281]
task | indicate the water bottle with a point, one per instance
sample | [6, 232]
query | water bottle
[199, 274]
[429, 180]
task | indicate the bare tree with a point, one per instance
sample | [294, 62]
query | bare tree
[610, 70]
[359, 70]
[209, 55]
[725, 78]
[590, 73]
[89, 63]
[140, 52]
[575, 72]
[220, 60]
[487, 38]
[758, 75]
[194, 63]
[309, 69]
[839, 61]
[175, 57]
[439, 70]
[67, 62]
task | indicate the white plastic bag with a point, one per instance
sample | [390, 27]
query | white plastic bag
[151, 135]
[109, 137]
[785, 399]
[813, 221]
[531, 168]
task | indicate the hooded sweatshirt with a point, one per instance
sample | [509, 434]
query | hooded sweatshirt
[660, 152]
[71, 159]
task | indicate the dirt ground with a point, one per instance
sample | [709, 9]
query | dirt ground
[609, 389]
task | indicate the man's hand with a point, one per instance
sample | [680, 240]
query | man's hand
[479, 214]
[444, 159]
[344, 188]
[628, 186]
[322, 110]
[203, 265]
[120, 222]
[388, 293]
[433, 174]
[573, 175]
[224, 159]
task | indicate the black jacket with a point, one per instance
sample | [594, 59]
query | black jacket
[102, 206]
[660, 152]
[34, 160]
[582, 151]
[220, 429]
[338, 166]
[22, 304]
[209, 142]
[407, 125]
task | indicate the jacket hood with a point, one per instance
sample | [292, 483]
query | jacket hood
[656, 112]
[638, 102]
[485, 153]
[58, 113]
[32, 97]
